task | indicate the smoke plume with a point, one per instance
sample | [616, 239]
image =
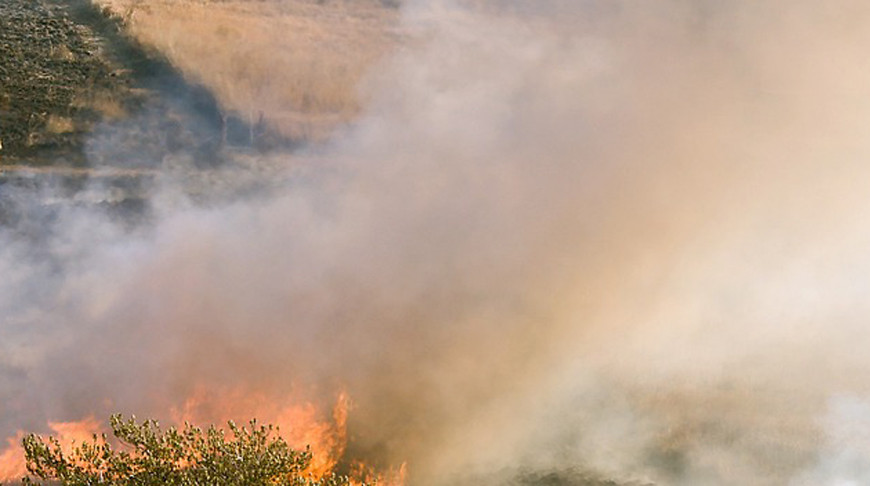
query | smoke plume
[622, 239]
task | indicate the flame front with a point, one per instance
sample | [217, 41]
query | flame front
[364, 474]
[301, 424]
[13, 465]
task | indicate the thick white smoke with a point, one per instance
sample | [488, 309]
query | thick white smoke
[621, 238]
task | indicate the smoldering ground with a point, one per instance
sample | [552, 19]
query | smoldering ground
[591, 238]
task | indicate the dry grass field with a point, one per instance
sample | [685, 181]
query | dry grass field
[294, 64]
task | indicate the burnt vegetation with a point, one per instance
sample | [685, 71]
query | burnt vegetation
[75, 89]
[49, 69]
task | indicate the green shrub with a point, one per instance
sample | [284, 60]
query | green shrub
[150, 456]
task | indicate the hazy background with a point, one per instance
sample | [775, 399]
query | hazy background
[623, 238]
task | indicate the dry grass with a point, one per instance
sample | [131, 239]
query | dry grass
[59, 124]
[298, 62]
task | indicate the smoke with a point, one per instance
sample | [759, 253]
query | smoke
[844, 457]
[616, 238]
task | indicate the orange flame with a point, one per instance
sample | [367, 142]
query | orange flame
[300, 424]
[70, 434]
[364, 474]
[12, 463]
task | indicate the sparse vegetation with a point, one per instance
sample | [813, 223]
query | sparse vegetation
[252, 455]
[48, 75]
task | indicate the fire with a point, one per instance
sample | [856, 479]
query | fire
[362, 473]
[12, 464]
[70, 434]
[300, 423]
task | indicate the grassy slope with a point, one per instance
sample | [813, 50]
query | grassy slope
[296, 62]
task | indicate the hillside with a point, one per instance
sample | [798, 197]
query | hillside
[293, 65]
[128, 83]
[54, 82]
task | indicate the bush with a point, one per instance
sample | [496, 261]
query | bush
[253, 455]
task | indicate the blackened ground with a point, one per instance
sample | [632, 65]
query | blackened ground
[47, 65]
[75, 90]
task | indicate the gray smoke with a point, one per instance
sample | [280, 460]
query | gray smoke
[621, 238]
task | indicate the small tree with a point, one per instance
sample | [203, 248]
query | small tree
[186, 457]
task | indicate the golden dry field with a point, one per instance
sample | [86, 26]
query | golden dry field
[294, 63]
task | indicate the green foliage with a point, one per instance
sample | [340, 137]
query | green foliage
[186, 457]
